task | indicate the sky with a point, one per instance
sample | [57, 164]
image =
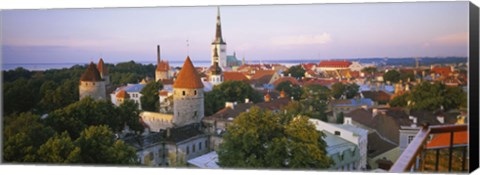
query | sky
[276, 32]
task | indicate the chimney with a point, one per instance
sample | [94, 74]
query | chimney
[374, 112]
[247, 100]
[441, 119]
[414, 121]
[347, 120]
[158, 54]
[267, 97]
[229, 105]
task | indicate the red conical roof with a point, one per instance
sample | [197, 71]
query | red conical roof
[102, 68]
[188, 77]
[91, 74]
[122, 94]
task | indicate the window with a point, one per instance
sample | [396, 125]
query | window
[188, 150]
[195, 113]
[206, 143]
[199, 145]
[410, 138]
[93, 84]
[183, 93]
[337, 133]
[193, 148]
[195, 92]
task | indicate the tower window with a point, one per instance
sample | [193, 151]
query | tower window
[183, 93]
[93, 84]
[195, 92]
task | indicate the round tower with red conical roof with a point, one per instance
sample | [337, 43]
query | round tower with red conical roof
[102, 68]
[92, 84]
[188, 104]
[163, 68]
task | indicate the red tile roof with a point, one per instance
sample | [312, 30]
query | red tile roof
[261, 73]
[336, 64]
[188, 77]
[122, 94]
[163, 66]
[444, 71]
[235, 76]
[308, 66]
[91, 74]
[443, 139]
[102, 68]
[284, 79]
[163, 93]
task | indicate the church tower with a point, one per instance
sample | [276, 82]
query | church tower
[188, 96]
[91, 84]
[215, 75]
[163, 67]
[219, 44]
[103, 71]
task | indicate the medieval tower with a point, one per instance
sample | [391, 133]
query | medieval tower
[219, 45]
[103, 71]
[215, 74]
[163, 67]
[91, 84]
[188, 96]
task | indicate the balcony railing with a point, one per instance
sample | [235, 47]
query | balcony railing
[414, 156]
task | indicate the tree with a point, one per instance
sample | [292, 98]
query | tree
[19, 96]
[370, 70]
[150, 99]
[130, 116]
[435, 96]
[60, 97]
[23, 134]
[229, 91]
[59, 149]
[315, 98]
[349, 90]
[340, 118]
[295, 71]
[392, 76]
[86, 112]
[292, 90]
[262, 139]
[98, 146]
[399, 101]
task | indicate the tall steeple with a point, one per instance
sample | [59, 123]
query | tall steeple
[218, 32]
[219, 45]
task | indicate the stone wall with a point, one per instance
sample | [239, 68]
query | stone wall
[96, 90]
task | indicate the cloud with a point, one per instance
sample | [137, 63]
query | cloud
[456, 38]
[302, 39]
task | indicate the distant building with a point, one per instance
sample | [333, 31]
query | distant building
[162, 71]
[102, 68]
[232, 60]
[91, 84]
[346, 105]
[133, 92]
[333, 65]
[219, 45]
[263, 79]
[215, 73]
[356, 66]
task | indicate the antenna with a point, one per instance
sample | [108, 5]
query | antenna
[188, 49]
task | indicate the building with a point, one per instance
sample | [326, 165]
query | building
[188, 96]
[219, 45]
[346, 144]
[133, 92]
[333, 65]
[91, 84]
[346, 105]
[162, 71]
[215, 73]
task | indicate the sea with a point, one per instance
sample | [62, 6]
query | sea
[201, 63]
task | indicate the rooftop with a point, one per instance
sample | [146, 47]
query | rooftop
[206, 161]
[188, 77]
[91, 74]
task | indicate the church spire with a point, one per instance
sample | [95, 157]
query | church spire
[218, 33]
